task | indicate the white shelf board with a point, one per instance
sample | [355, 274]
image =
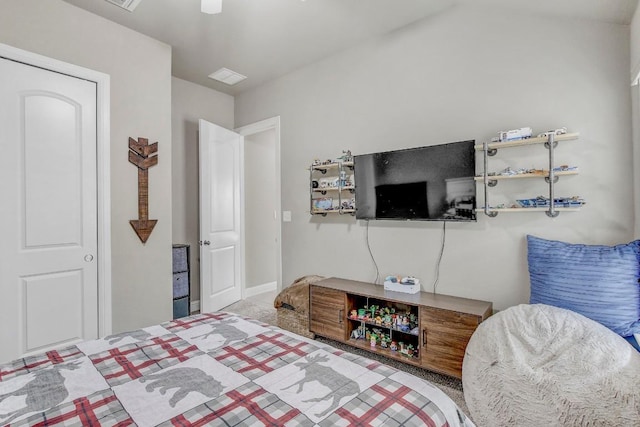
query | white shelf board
[528, 141]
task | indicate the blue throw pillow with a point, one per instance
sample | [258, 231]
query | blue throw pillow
[599, 282]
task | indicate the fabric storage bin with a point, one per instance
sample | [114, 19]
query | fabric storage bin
[180, 307]
[180, 258]
[181, 284]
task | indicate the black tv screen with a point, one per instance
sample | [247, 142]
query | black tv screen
[432, 183]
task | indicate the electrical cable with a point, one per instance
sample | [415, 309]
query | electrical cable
[371, 254]
[444, 234]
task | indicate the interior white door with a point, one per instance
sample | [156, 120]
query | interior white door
[48, 213]
[221, 217]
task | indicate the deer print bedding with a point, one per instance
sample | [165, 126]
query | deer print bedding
[215, 369]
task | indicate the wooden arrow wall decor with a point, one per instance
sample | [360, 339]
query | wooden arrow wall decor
[141, 154]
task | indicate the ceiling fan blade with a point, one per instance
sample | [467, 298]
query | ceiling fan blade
[211, 6]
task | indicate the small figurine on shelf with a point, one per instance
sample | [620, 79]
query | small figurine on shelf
[405, 326]
[346, 156]
[359, 333]
[378, 320]
[401, 347]
[373, 340]
[361, 312]
[405, 349]
[386, 320]
[393, 346]
[410, 350]
[383, 342]
[373, 309]
[354, 314]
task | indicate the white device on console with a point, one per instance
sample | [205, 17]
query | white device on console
[407, 284]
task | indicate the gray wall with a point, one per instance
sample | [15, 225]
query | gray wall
[189, 103]
[140, 70]
[464, 74]
[635, 90]
[260, 204]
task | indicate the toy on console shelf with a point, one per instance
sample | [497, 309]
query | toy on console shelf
[405, 326]
[359, 333]
[410, 350]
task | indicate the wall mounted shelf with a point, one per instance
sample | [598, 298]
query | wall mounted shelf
[337, 180]
[542, 174]
[494, 146]
[551, 175]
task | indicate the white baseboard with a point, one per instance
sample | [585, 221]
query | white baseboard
[248, 292]
[195, 306]
[260, 289]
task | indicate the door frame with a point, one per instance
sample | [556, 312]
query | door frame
[103, 118]
[251, 129]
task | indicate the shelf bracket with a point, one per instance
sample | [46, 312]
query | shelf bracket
[487, 182]
[552, 178]
[548, 180]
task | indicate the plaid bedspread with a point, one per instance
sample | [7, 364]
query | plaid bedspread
[215, 369]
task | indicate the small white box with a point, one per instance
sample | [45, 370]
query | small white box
[400, 287]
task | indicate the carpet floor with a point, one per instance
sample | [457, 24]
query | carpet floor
[449, 385]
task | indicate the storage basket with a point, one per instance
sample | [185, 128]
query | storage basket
[181, 284]
[294, 322]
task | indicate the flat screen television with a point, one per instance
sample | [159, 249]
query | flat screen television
[432, 183]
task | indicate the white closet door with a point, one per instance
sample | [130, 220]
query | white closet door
[48, 214]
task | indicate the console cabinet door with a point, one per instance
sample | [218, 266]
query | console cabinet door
[327, 308]
[444, 338]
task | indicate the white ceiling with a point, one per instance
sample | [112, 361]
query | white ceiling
[265, 39]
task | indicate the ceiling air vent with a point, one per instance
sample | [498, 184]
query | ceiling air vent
[129, 5]
[227, 76]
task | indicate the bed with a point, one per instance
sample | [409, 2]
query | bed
[215, 369]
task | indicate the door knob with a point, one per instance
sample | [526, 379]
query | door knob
[88, 257]
[205, 242]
